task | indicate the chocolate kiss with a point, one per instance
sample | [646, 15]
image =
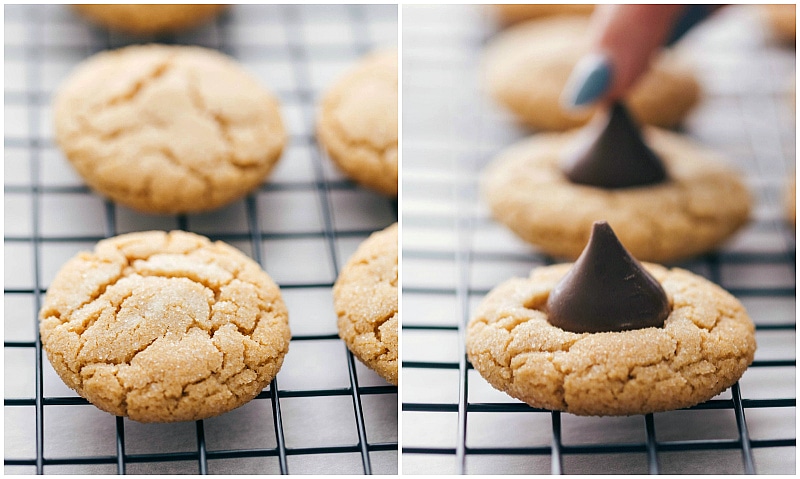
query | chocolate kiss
[607, 289]
[612, 154]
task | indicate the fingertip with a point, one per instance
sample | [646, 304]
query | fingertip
[589, 82]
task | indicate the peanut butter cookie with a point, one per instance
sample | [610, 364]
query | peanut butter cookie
[145, 19]
[517, 12]
[357, 123]
[704, 346]
[164, 327]
[365, 298]
[701, 204]
[168, 129]
[526, 68]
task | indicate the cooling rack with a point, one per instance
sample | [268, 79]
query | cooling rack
[453, 254]
[325, 412]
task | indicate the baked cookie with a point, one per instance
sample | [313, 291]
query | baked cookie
[782, 18]
[357, 123]
[365, 298]
[517, 12]
[168, 129]
[703, 346]
[164, 327]
[526, 68]
[146, 19]
[702, 203]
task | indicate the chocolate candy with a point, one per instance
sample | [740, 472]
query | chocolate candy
[607, 289]
[612, 154]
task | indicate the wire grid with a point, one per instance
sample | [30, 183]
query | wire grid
[330, 414]
[454, 253]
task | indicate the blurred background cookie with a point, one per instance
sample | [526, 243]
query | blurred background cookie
[143, 19]
[526, 68]
[168, 129]
[516, 12]
[697, 204]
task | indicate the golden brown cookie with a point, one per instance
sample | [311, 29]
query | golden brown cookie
[782, 19]
[168, 129]
[145, 19]
[357, 123]
[702, 204]
[517, 12]
[526, 68]
[365, 298]
[704, 347]
[164, 327]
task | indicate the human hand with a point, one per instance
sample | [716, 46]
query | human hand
[623, 39]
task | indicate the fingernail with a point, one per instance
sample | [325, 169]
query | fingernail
[590, 79]
[692, 15]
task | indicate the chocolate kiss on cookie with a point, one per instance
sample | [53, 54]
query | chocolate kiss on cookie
[612, 154]
[606, 289]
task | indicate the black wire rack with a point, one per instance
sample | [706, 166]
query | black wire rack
[453, 254]
[325, 412]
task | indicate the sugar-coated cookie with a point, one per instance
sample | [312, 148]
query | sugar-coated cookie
[701, 204]
[357, 122]
[517, 12]
[365, 298]
[168, 129]
[704, 347]
[145, 19]
[526, 68]
[164, 327]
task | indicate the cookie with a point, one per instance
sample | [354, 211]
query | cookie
[782, 20]
[168, 129]
[516, 12]
[526, 68]
[147, 19]
[365, 299]
[703, 346]
[164, 327]
[357, 123]
[702, 203]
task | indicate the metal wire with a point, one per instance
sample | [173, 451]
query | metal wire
[320, 183]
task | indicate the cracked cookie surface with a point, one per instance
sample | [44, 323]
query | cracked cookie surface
[526, 68]
[702, 203]
[168, 129]
[164, 327]
[357, 122]
[704, 347]
[144, 19]
[365, 299]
